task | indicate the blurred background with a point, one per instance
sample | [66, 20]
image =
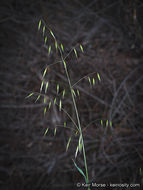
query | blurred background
[111, 33]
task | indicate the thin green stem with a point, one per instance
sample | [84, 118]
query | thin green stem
[77, 115]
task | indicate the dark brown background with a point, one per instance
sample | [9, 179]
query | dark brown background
[112, 36]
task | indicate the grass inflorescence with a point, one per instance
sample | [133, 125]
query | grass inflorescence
[61, 93]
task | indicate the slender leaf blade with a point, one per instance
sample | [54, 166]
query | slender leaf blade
[82, 173]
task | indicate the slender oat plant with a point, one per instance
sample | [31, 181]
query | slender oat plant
[74, 93]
